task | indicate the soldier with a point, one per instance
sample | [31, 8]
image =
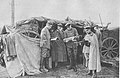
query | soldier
[45, 45]
[71, 46]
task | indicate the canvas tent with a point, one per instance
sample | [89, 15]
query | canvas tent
[22, 51]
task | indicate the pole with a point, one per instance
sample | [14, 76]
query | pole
[12, 13]
[100, 20]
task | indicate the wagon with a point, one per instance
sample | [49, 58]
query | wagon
[110, 46]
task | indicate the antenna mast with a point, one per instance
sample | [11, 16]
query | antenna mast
[12, 13]
[100, 20]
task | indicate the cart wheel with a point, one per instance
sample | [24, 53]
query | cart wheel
[109, 48]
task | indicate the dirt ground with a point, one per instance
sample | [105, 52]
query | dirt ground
[62, 72]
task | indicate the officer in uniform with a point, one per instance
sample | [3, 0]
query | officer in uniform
[71, 46]
[45, 45]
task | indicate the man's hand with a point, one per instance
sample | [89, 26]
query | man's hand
[54, 39]
[68, 39]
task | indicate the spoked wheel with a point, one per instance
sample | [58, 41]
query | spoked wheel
[109, 48]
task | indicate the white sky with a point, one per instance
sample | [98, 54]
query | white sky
[60, 9]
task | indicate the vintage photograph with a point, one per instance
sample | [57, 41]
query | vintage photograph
[59, 39]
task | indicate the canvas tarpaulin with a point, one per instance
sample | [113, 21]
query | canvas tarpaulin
[28, 56]
[10, 46]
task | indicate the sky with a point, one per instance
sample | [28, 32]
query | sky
[60, 9]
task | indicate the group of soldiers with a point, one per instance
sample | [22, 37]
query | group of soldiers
[57, 45]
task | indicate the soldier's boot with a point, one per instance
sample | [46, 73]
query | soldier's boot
[94, 73]
[47, 67]
[71, 64]
[42, 65]
[75, 60]
[46, 70]
[75, 69]
[90, 73]
[75, 63]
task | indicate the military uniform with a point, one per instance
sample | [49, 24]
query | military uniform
[45, 47]
[45, 42]
[71, 46]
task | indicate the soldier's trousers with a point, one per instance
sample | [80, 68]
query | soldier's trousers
[72, 55]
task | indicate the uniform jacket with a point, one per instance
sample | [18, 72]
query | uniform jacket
[70, 33]
[45, 38]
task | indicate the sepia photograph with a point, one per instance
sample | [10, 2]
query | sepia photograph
[59, 39]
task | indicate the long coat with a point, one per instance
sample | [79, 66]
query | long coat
[94, 56]
[85, 48]
[58, 51]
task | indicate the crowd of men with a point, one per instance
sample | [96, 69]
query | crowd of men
[57, 45]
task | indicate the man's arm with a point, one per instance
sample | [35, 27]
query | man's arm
[65, 39]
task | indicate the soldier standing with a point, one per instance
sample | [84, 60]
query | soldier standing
[45, 45]
[71, 46]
